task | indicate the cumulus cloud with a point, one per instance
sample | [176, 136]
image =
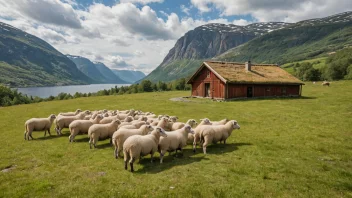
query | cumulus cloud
[241, 22]
[139, 53]
[275, 10]
[46, 11]
[141, 1]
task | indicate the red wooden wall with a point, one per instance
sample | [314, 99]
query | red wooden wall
[217, 87]
[239, 90]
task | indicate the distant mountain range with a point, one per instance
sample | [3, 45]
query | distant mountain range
[26, 60]
[271, 42]
[100, 72]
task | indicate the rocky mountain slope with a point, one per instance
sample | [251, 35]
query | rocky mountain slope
[129, 75]
[26, 60]
[271, 42]
[97, 71]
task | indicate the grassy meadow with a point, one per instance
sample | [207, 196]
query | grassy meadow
[285, 148]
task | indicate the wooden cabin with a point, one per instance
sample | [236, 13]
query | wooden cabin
[229, 80]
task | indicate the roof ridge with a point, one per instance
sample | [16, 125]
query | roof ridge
[238, 63]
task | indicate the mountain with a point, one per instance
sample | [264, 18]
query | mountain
[271, 42]
[97, 71]
[109, 75]
[300, 41]
[128, 75]
[26, 60]
[205, 42]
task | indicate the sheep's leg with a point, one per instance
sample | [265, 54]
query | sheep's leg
[30, 135]
[131, 163]
[49, 132]
[196, 138]
[25, 135]
[125, 158]
[44, 133]
[224, 141]
[161, 156]
[90, 143]
[151, 156]
[116, 152]
[206, 142]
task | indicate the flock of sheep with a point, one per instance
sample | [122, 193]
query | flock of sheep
[136, 133]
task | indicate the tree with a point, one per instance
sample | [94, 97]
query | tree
[146, 86]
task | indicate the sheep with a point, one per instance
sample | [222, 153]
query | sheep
[138, 145]
[175, 140]
[71, 113]
[135, 125]
[214, 133]
[82, 126]
[65, 121]
[325, 83]
[221, 122]
[179, 125]
[38, 124]
[140, 118]
[101, 131]
[173, 119]
[163, 123]
[124, 115]
[122, 134]
[194, 138]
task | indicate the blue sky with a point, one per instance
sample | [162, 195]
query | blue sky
[138, 34]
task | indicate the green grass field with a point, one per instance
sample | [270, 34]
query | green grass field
[317, 64]
[285, 148]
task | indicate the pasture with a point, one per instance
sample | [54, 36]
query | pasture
[285, 148]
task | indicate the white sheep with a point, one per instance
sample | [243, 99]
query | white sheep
[122, 134]
[135, 125]
[101, 131]
[215, 133]
[82, 126]
[124, 115]
[138, 145]
[65, 121]
[174, 141]
[38, 124]
[194, 138]
[71, 113]
[179, 125]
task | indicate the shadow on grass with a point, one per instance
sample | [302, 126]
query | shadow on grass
[86, 140]
[52, 136]
[187, 157]
[105, 145]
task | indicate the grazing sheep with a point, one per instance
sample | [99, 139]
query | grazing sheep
[65, 121]
[163, 123]
[124, 115]
[326, 83]
[179, 125]
[173, 119]
[101, 131]
[138, 145]
[38, 124]
[174, 141]
[122, 134]
[71, 113]
[82, 126]
[214, 133]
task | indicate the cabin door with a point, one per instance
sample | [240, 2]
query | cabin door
[207, 90]
[249, 92]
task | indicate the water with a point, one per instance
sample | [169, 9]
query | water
[45, 92]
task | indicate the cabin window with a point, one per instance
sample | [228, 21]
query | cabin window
[268, 89]
[208, 74]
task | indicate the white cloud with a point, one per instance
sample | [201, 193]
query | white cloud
[275, 10]
[185, 9]
[241, 22]
[47, 11]
[141, 1]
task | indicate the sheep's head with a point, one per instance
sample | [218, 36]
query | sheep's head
[116, 123]
[106, 115]
[87, 112]
[105, 110]
[99, 117]
[205, 121]
[78, 111]
[192, 122]
[148, 129]
[189, 129]
[144, 118]
[52, 117]
[128, 119]
[161, 131]
[173, 119]
[165, 120]
[235, 125]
